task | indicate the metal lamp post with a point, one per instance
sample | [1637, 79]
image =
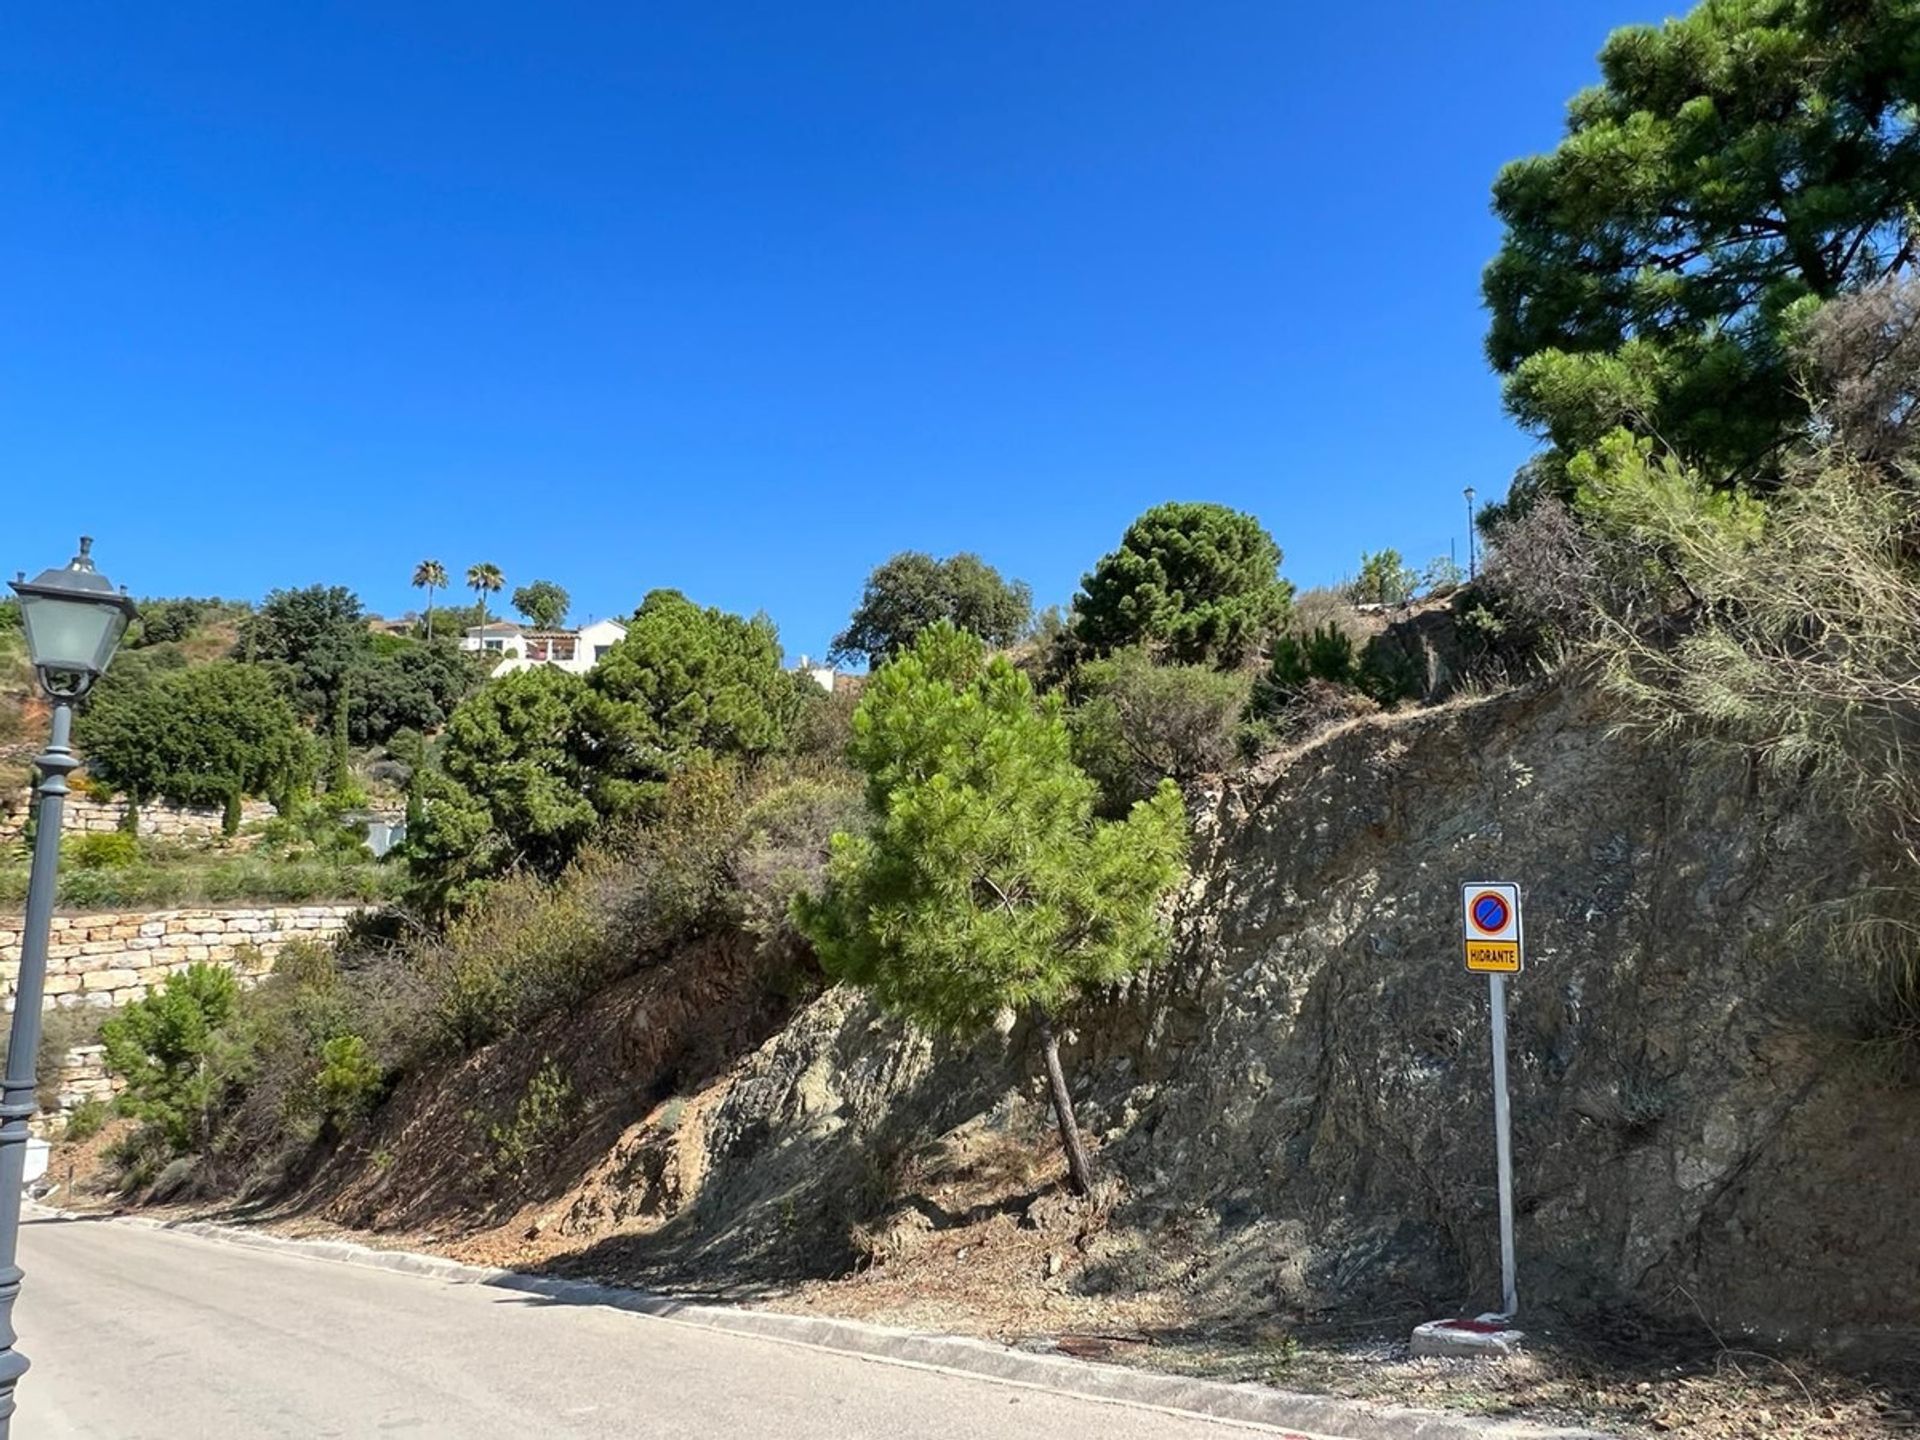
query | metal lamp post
[1471, 556]
[74, 620]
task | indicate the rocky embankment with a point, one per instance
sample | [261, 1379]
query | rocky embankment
[1294, 1113]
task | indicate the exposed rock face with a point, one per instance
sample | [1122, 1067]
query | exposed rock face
[1304, 1091]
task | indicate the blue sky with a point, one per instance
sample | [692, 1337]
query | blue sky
[743, 298]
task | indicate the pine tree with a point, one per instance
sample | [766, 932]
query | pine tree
[987, 886]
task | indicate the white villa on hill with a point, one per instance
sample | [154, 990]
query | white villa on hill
[521, 648]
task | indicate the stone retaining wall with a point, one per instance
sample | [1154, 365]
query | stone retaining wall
[83, 1076]
[157, 821]
[115, 959]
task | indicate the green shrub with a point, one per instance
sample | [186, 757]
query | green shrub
[349, 1081]
[1195, 582]
[1389, 673]
[536, 1125]
[316, 1050]
[1302, 667]
[194, 736]
[1384, 579]
[1323, 653]
[86, 1120]
[111, 850]
[1136, 723]
[212, 881]
[168, 1049]
[533, 946]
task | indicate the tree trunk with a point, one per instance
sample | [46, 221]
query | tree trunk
[1079, 1172]
[429, 614]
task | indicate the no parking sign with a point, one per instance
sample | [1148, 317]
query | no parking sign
[1490, 922]
[1490, 925]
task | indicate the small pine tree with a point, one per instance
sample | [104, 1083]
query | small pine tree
[1323, 653]
[1384, 579]
[987, 886]
[230, 817]
[165, 1046]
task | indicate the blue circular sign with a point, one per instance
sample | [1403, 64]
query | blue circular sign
[1490, 912]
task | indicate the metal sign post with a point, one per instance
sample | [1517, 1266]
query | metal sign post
[1495, 946]
[1503, 1146]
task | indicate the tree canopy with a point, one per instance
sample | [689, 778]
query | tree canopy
[544, 603]
[410, 686]
[987, 885]
[162, 1046]
[314, 635]
[196, 736]
[1731, 166]
[699, 679]
[532, 763]
[1384, 579]
[912, 591]
[536, 760]
[316, 643]
[1192, 582]
[430, 575]
[484, 578]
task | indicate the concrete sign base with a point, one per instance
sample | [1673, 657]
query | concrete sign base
[1486, 1337]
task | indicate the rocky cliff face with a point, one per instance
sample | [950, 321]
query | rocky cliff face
[1294, 1112]
[1298, 1109]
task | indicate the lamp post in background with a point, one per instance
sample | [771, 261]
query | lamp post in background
[1471, 556]
[74, 620]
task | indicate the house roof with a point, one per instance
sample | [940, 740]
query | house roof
[508, 627]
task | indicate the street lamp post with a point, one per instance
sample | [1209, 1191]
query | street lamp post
[1471, 557]
[74, 620]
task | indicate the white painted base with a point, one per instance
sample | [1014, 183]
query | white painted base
[1457, 1339]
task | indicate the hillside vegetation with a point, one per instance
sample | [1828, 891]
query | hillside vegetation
[1095, 964]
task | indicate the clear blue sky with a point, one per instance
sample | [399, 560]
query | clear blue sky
[742, 298]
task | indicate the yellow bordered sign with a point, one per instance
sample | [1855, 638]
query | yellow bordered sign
[1490, 927]
[1493, 957]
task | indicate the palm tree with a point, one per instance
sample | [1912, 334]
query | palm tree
[429, 575]
[484, 580]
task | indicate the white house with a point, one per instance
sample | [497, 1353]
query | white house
[521, 647]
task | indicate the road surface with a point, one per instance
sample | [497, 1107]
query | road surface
[138, 1334]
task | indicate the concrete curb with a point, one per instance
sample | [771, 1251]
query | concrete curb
[1307, 1417]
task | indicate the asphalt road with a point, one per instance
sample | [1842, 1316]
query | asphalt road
[137, 1333]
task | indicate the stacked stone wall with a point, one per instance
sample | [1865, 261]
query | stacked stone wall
[85, 816]
[109, 960]
[115, 959]
[82, 1076]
